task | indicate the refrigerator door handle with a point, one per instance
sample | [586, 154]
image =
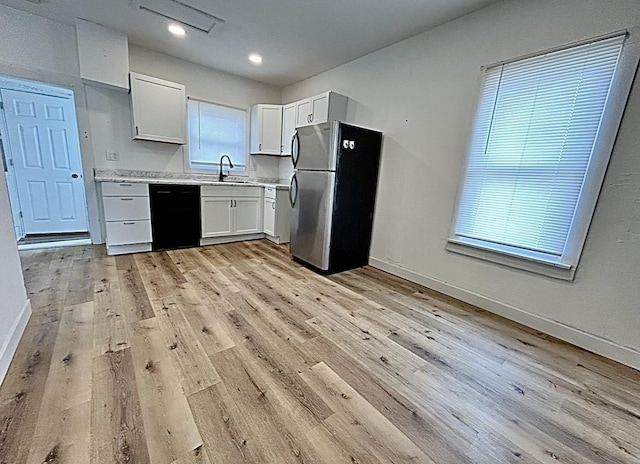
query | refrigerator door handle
[293, 199]
[295, 148]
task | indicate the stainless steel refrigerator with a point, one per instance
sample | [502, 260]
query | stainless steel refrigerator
[333, 193]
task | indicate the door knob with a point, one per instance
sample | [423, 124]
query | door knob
[74, 175]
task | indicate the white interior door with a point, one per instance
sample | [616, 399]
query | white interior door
[44, 146]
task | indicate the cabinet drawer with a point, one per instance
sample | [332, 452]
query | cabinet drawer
[128, 232]
[110, 189]
[126, 208]
[270, 192]
[220, 191]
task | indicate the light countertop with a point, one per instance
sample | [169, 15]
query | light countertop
[151, 177]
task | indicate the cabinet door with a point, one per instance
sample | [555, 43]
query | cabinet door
[320, 108]
[288, 127]
[270, 217]
[303, 112]
[270, 127]
[217, 217]
[282, 225]
[158, 109]
[248, 215]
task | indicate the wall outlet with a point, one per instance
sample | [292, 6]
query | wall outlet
[112, 156]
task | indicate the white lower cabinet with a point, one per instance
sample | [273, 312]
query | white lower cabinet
[277, 215]
[269, 217]
[127, 216]
[230, 211]
[216, 214]
[248, 212]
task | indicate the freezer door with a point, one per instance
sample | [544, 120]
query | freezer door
[312, 198]
[315, 147]
[355, 197]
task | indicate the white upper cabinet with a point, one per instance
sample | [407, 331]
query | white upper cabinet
[266, 129]
[288, 127]
[303, 112]
[158, 109]
[273, 126]
[103, 55]
[320, 108]
[328, 106]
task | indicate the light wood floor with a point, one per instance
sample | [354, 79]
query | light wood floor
[235, 354]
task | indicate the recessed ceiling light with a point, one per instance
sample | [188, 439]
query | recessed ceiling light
[177, 30]
[255, 58]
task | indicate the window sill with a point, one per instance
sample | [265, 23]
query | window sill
[526, 263]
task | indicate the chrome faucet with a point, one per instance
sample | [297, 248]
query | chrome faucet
[221, 177]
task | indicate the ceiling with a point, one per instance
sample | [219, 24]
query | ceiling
[297, 39]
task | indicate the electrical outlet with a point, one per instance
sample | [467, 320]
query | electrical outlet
[112, 156]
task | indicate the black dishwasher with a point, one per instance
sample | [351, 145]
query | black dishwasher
[175, 216]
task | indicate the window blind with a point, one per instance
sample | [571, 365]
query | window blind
[533, 138]
[214, 131]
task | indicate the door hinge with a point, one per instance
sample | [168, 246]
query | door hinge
[1, 105]
[10, 161]
[21, 216]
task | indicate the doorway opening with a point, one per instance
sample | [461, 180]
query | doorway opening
[42, 162]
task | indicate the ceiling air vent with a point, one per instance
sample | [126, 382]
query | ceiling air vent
[175, 10]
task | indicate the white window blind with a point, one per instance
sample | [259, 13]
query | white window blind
[214, 131]
[533, 138]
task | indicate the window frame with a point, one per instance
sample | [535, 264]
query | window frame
[566, 267]
[214, 169]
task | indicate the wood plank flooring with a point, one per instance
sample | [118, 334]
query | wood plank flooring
[236, 354]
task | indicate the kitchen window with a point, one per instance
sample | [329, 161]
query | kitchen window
[543, 134]
[216, 130]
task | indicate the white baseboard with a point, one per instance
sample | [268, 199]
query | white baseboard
[54, 244]
[15, 334]
[588, 341]
[229, 239]
[276, 240]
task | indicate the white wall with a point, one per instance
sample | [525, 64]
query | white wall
[35, 42]
[42, 50]
[421, 93]
[14, 309]
[110, 113]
